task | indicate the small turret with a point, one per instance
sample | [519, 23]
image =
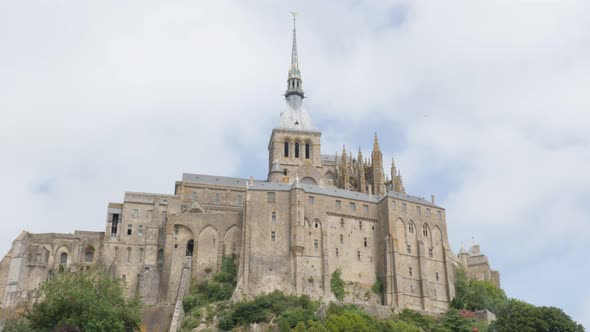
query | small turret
[276, 174]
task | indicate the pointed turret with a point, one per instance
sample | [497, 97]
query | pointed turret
[376, 143]
[377, 165]
[294, 93]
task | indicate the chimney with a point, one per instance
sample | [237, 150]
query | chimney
[251, 180]
[433, 199]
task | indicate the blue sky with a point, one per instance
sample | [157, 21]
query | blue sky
[483, 104]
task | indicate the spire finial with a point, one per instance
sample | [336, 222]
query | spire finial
[376, 143]
[294, 93]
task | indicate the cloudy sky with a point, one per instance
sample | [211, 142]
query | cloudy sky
[485, 105]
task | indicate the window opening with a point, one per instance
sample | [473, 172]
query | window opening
[190, 246]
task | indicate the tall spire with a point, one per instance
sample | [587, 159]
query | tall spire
[294, 93]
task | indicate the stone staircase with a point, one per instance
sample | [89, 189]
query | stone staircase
[185, 278]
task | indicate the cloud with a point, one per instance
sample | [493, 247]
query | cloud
[482, 104]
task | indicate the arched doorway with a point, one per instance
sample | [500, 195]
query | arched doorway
[190, 246]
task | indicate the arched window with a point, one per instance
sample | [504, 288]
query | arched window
[63, 258]
[141, 255]
[286, 149]
[190, 245]
[425, 231]
[411, 227]
[296, 150]
[124, 278]
[89, 255]
[316, 224]
[307, 151]
[128, 255]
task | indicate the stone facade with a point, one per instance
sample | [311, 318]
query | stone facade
[314, 214]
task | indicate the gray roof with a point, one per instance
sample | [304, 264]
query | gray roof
[276, 167]
[310, 188]
[296, 119]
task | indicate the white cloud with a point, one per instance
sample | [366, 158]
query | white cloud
[489, 98]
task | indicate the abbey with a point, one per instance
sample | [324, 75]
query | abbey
[314, 214]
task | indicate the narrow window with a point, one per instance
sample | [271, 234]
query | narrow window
[286, 149]
[435, 293]
[63, 259]
[418, 211]
[338, 205]
[366, 210]
[425, 230]
[352, 206]
[274, 217]
[163, 216]
[410, 271]
[285, 172]
[411, 288]
[430, 252]
[411, 227]
[373, 227]
[306, 150]
[116, 253]
[341, 222]
[141, 255]
[365, 242]
[89, 255]
[140, 230]
[217, 198]
[337, 252]
[393, 204]
[360, 225]
[436, 276]
[409, 248]
[194, 196]
[316, 224]
[404, 207]
[341, 239]
[128, 255]
[428, 213]
[311, 200]
[129, 229]
[438, 215]
[315, 244]
[135, 213]
[115, 224]
[297, 150]
[149, 214]
[190, 246]
[272, 236]
[358, 255]
[271, 197]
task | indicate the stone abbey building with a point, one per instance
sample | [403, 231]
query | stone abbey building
[314, 213]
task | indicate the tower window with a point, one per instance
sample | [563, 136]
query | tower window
[358, 255]
[365, 242]
[115, 224]
[438, 215]
[436, 276]
[296, 150]
[411, 227]
[274, 217]
[430, 252]
[63, 259]
[306, 150]
[408, 248]
[273, 236]
[418, 211]
[341, 239]
[410, 271]
[316, 224]
[360, 225]
[337, 252]
[286, 149]
[315, 244]
[425, 231]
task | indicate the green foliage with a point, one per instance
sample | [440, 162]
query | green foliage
[414, 318]
[351, 322]
[452, 321]
[288, 309]
[310, 326]
[220, 288]
[88, 300]
[337, 285]
[378, 288]
[476, 295]
[520, 316]
[397, 326]
[18, 325]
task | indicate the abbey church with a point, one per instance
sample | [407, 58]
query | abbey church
[314, 214]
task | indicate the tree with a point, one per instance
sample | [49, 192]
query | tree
[519, 316]
[337, 284]
[475, 294]
[86, 301]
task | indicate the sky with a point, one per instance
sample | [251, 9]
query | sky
[484, 104]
